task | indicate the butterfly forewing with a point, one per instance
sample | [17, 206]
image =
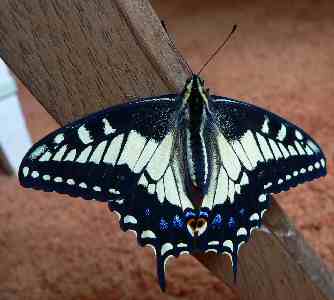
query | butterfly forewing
[278, 154]
[96, 156]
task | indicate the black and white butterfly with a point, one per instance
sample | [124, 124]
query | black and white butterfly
[189, 172]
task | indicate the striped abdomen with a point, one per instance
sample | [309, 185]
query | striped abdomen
[196, 150]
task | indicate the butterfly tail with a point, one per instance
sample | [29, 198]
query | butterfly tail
[235, 266]
[161, 273]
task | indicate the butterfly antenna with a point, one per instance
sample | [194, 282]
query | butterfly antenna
[218, 49]
[178, 54]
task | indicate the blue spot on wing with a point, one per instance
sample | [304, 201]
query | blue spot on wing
[203, 214]
[178, 222]
[189, 214]
[163, 224]
[231, 223]
[217, 221]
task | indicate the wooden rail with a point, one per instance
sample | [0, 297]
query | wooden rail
[80, 56]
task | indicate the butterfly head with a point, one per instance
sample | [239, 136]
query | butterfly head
[194, 90]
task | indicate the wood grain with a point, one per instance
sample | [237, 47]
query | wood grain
[77, 57]
[87, 55]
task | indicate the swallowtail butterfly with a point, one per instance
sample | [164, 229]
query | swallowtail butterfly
[188, 172]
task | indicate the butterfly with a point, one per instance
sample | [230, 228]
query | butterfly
[188, 172]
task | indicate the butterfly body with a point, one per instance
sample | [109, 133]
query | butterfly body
[192, 122]
[188, 172]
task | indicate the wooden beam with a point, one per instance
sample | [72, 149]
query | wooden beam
[77, 57]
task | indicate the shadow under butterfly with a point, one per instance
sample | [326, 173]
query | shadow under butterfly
[188, 172]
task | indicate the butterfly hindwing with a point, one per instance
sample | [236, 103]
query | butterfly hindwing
[160, 225]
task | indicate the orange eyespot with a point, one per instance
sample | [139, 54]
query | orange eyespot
[196, 224]
[192, 223]
[200, 222]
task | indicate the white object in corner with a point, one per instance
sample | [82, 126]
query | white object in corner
[14, 137]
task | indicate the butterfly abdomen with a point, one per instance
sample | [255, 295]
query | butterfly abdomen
[196, 148]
